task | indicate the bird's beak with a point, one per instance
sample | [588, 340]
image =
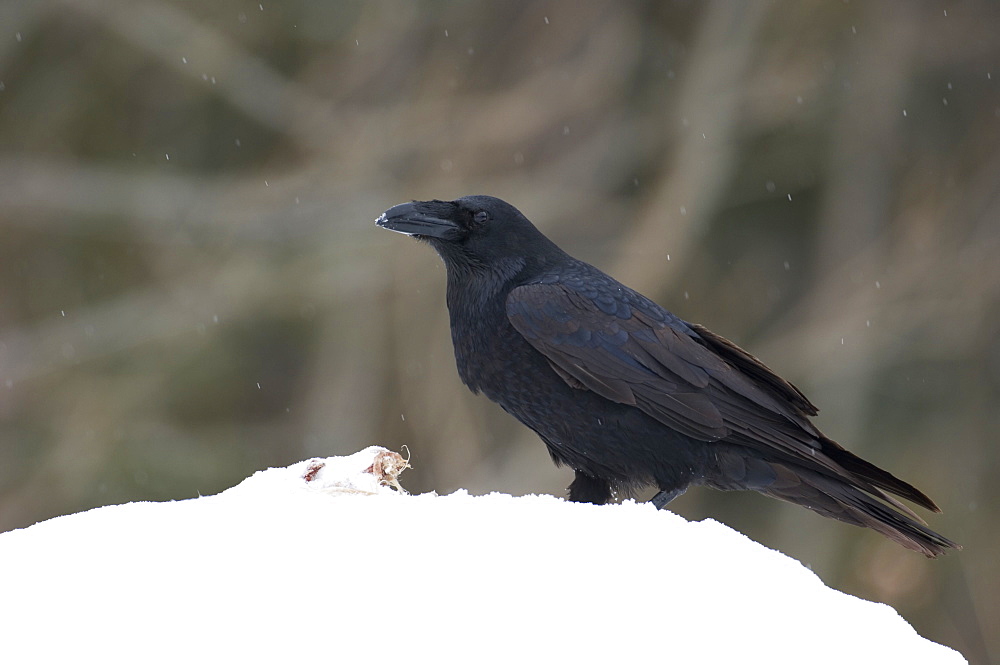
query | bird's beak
[418, 218]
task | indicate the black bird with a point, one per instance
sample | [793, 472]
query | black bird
[627, 394]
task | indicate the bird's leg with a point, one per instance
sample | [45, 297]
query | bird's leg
[588, 489]
[663, 497]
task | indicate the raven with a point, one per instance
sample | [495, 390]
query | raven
[627, 394]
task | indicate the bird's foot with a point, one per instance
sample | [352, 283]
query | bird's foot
[663, 497]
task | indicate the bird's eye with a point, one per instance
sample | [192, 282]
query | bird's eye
[480, 217]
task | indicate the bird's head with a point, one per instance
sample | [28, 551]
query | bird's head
[470, 232]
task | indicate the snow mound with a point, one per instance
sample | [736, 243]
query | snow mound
[323, 561]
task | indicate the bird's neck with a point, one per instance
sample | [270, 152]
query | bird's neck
[472, 288]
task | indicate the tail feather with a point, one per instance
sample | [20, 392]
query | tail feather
[878, 477]
[832, 497]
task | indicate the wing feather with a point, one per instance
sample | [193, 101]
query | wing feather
[628, 350]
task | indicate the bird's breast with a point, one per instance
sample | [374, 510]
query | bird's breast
[492, 357]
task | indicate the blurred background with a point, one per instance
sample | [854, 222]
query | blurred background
[192, 287]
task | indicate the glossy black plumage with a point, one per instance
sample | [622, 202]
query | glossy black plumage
[626, 393]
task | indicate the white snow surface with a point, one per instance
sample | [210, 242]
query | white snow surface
[339, 569]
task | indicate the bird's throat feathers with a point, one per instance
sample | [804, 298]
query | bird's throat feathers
[473, 286]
